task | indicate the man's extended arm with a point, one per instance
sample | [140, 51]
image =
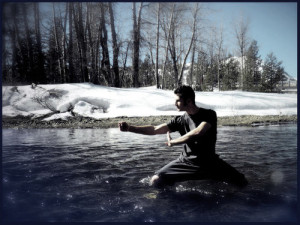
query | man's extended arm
[147, 130]
[198, 131]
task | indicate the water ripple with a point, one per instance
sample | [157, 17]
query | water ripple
[96, 175]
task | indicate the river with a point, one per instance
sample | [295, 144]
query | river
[101, 175]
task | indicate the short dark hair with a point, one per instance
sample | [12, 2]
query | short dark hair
[185, 92]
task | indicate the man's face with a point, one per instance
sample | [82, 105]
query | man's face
[180, 103]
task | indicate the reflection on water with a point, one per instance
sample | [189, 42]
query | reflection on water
[102, 175]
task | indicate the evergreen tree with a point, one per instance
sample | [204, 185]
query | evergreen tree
[147, 72]
[272, 74]
[231, 74]
[201, 68]
[252, 73]
[210, 79]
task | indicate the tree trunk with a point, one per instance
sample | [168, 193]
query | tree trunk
[15, 43]
[190, 46]
[173, 53]
[92, 49]
[174, 59]
[241, 31]
[105, 63]
[220, 47]
[40, 64]
[167, 47]
[57, 48]
[71, 76]
[125, 61]
[192, 63]
[83, 44]
[136, 43]
[115, 47]
[81, 41]
[157, 45]
[31, 75]
[64, 48]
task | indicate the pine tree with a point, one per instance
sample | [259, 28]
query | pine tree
[272, 73]
[147, 72]
[252, 73]
[231, 74]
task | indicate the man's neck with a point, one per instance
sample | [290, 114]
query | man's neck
[192, 110]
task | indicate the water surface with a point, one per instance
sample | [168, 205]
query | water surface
[102, 175]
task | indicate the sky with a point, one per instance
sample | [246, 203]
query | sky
[272, 24]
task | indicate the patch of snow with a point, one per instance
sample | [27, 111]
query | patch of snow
[62, 116]
[97, 102]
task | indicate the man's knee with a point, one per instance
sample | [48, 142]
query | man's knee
[160, 181]
[154, 180]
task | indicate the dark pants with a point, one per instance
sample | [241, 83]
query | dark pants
[183, 169]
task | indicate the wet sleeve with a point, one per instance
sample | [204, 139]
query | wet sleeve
[175, 123]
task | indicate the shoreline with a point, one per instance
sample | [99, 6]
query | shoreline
[79, 122]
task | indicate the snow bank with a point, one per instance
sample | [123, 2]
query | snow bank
[98, 102]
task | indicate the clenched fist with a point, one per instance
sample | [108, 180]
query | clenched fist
[123, 126]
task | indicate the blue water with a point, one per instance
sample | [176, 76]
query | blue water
[101, 175]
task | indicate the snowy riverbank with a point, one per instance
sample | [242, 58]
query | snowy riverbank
[87, 105]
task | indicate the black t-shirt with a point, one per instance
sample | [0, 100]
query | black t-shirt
[204, 146]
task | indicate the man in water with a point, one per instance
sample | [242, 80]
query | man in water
[198, 130]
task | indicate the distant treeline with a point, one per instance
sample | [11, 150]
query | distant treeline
[74, 42]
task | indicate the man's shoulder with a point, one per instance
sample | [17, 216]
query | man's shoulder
[209, 111]
[175, 124]
[177, 118]
[208, 115]
[180, 118]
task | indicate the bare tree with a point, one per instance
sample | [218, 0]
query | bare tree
[241, 32]
[173, 33]
[180, 32]
[29, 44]
[201, 68]
[219, 42]
[211, 70]
[40, 63]
[92, 50]
[81, 38]
[167, 34]
[192, 63]
[10, 12]
[195, 14]
[105, 63]
[115, 46]
[71, 76]
[157, 45]
[136, 42]
[150, 43]
[57, 45]
[63, 24]
[124, 55]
